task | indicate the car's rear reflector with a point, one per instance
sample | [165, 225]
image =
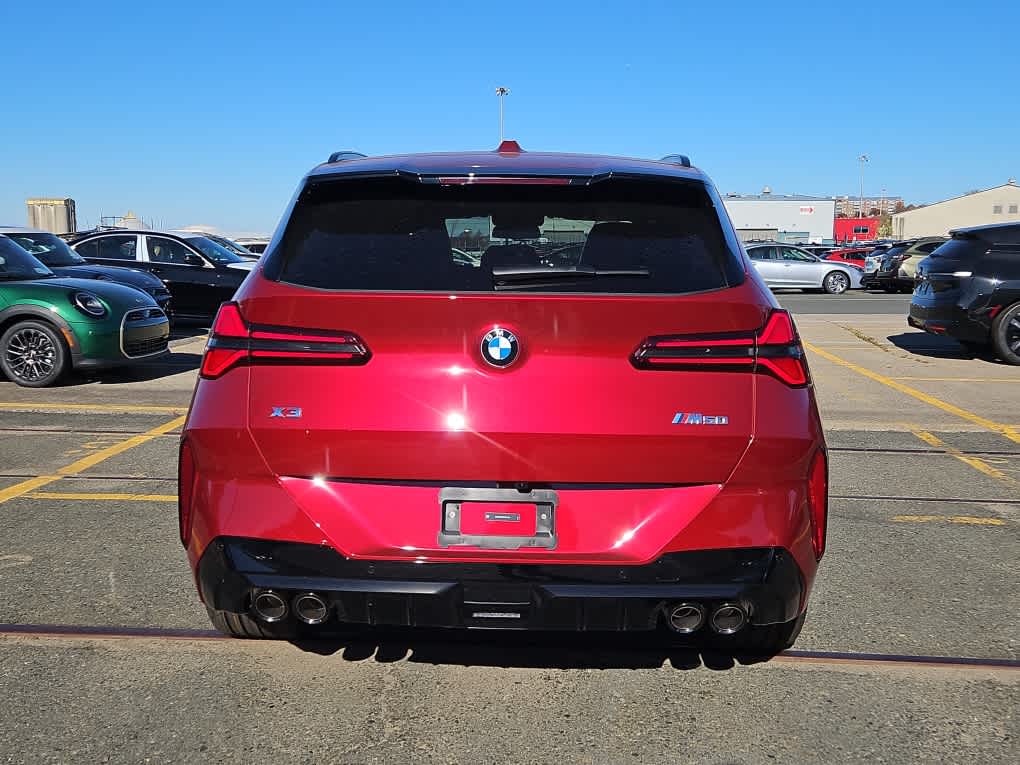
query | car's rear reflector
[818, 501]
[233, 342]
[774, 349]
[185, 491]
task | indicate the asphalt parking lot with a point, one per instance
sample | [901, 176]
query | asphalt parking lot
[911, 651]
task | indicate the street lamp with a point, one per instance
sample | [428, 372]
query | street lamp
[501, 92]
[863, 159]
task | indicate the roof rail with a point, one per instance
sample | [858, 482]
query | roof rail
[677, 159]
[345, 156]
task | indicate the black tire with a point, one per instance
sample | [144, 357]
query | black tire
[761, 642]
[33, 354]
[1006, 335]
[245, 626]
[836, 282]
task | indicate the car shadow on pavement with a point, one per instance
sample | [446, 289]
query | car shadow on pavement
[526, 650]
[163, 366]
[934, 346]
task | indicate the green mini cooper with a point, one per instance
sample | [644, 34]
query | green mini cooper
[49, 325]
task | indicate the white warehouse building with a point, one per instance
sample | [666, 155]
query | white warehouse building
[996, 205]
[783, 217]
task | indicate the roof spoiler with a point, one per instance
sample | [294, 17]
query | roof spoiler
[345, 156]
[677, 159]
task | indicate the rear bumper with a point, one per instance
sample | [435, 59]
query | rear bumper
[950, 320]
[765, 581]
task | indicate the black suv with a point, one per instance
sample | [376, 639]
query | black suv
[969, 289]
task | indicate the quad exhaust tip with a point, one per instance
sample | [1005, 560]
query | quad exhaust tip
[269, 606]
[310, 608]
[728, 619]
[685, 618]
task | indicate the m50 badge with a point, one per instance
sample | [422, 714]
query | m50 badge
[697, 418]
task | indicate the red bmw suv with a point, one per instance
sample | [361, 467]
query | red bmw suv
[505, 390]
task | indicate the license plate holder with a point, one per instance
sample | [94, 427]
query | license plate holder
[541, 502]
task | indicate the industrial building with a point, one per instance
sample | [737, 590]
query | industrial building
[782, 217]
[856, 229]
[1000, 204]
[54, 215]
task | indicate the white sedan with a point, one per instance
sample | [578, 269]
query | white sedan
[783, 266]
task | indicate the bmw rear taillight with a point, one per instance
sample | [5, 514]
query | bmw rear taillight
[774, 349]
[779, 351]
[233, 342]
[185, 491]
[818, 502]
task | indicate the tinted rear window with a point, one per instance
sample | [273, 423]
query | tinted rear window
[418, 236]
[961, 249]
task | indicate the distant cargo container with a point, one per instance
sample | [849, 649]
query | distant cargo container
[54, 215]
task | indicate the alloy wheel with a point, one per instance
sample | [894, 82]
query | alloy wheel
[836, 283]
[30, 355]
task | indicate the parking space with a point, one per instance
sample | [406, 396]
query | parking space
[910, 652]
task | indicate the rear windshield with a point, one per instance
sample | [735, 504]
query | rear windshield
[961, 249]
[626, 237]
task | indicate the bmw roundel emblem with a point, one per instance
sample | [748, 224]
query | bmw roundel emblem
[500, 347]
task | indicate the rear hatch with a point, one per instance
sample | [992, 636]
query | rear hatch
[491, 333]
[941, 276]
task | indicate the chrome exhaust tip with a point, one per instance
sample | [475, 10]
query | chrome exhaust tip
[685, 618]
[728, 619]
[269, 606]
[310, 608]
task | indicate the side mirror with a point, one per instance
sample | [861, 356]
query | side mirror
[193, 260]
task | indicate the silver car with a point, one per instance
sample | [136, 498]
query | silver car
[783, 266]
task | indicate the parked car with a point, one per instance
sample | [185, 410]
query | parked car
[55, 254]
[50, 324]
[199, 273]
[256, 245]
[784, 266]
[853, 256]
[872, 262]
[385, 434]
[969, 289]
[896, 272]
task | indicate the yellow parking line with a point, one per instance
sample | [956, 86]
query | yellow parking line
[20, 489]
[962, 519]
[69, 495]
[26, 486]
[996, 427]
[112, 451]
[962, 379]
[974, 462]
[14, 406]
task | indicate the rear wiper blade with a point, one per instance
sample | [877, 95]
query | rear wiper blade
[506, 277]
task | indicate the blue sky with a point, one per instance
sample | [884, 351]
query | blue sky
[210, 112]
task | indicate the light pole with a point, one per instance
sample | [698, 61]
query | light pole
[863, 159]
[501, 92]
